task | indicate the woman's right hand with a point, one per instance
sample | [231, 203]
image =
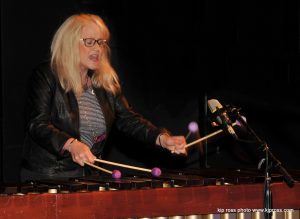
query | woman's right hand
[80, 152]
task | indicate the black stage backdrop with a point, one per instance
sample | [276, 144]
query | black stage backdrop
[171, 57]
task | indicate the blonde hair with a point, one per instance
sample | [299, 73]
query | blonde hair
[65, 59]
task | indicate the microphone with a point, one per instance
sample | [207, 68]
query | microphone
[221, 116]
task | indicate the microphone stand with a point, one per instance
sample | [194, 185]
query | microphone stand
[268, 154]
[268, 202]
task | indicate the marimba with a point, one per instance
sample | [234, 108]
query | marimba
[192, 194]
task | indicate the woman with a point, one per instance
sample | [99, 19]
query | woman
[73, 102]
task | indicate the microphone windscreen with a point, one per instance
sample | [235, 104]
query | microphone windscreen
[214, 105]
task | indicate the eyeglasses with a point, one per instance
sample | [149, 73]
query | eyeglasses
[90, 42]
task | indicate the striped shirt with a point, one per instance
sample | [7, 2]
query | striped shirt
[92, 123]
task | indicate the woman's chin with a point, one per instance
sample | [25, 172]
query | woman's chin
[93, 67]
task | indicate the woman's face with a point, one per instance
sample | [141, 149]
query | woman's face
[90, 55]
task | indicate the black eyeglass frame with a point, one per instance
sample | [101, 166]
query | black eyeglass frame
[100, 42]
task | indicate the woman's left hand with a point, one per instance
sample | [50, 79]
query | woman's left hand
[175, 144]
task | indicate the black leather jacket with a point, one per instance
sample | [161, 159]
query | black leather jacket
[53, 118]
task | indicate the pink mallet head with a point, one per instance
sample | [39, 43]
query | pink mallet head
[193, 127]
[156, 172]
[116, 174]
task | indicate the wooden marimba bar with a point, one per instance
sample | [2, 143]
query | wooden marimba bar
[182, 197]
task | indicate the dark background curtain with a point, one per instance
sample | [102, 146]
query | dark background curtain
[171, 57]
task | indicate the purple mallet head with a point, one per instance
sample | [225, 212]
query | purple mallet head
[239, 123]
[116, 174]
[193, 127]
[156, 172]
